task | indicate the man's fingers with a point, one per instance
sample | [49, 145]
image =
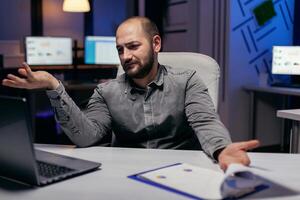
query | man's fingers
[28, 70]
[22, 72]
[13, 77]
[11, 83]
[16, 81]
[247, 145]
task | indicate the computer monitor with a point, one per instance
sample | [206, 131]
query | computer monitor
[101, 50]
[48, 50]
[286, 60]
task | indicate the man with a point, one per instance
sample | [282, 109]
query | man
[150, 106]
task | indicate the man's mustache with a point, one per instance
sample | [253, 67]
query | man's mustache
[127, 64]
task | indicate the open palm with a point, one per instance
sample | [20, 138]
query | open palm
[236, 153]
[30, 80]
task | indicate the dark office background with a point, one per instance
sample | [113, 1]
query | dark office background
[200, 26]
[42, 115]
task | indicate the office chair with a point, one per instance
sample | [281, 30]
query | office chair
[206, 68]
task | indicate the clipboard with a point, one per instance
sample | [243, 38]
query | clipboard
[140, 177]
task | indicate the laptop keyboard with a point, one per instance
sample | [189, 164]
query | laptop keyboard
[51, 170]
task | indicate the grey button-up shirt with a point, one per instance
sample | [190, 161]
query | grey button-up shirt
[173, 112]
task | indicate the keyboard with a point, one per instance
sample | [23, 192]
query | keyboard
[50, 170]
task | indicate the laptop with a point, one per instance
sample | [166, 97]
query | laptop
[19, 160]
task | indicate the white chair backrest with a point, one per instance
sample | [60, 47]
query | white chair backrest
[206, 68]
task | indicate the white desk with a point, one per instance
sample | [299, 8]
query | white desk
[292, 114]
[111, 183]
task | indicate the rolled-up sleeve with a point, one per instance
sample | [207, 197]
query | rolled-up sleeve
[83, 128]
[203, 118]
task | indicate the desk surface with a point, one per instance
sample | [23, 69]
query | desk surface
[293, 114]
[274, 90]
[111, 181]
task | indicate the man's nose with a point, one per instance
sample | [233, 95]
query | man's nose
[127, 55]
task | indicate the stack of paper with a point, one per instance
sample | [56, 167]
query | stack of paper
[197, 182]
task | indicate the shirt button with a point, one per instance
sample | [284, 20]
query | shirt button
[63, 103]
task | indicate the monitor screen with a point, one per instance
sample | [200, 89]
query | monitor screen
[101, 50]
[286, 60]
[48, 50]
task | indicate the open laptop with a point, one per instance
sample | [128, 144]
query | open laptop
[18, 158]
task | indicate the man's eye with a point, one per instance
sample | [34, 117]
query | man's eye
[120, 51]
[134, 46]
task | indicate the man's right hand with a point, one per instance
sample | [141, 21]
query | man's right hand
[31, 80]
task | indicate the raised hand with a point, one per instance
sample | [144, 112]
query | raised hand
[236, 153]
[30, 80]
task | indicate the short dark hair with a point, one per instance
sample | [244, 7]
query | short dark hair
[149, 26]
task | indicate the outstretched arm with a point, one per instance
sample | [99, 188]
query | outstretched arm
[202, 117]
[82, 129]
[31, 80]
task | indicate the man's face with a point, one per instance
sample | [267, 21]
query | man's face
[135, 50]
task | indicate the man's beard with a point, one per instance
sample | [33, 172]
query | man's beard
[144, 70]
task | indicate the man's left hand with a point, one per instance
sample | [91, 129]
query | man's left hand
[236, 153]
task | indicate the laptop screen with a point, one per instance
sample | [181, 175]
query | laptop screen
[16, 151]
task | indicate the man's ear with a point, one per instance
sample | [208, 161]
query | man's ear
[156, 43]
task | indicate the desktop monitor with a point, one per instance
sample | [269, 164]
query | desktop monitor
[101, 50]
[48, 50]
[286, 60]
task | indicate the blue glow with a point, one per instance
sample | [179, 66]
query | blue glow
[44, 114]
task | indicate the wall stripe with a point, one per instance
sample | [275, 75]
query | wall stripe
[260, 28]
[258, 56]
[256, 69]
[245, 41]
[284, 18]
[243, 23]
[289, 11]
[252, 38]
[241, 8]
[247, 2]
[268, 69]
[278, 1]
[266, 34]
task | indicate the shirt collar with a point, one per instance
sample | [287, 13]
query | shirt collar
[158, 81]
